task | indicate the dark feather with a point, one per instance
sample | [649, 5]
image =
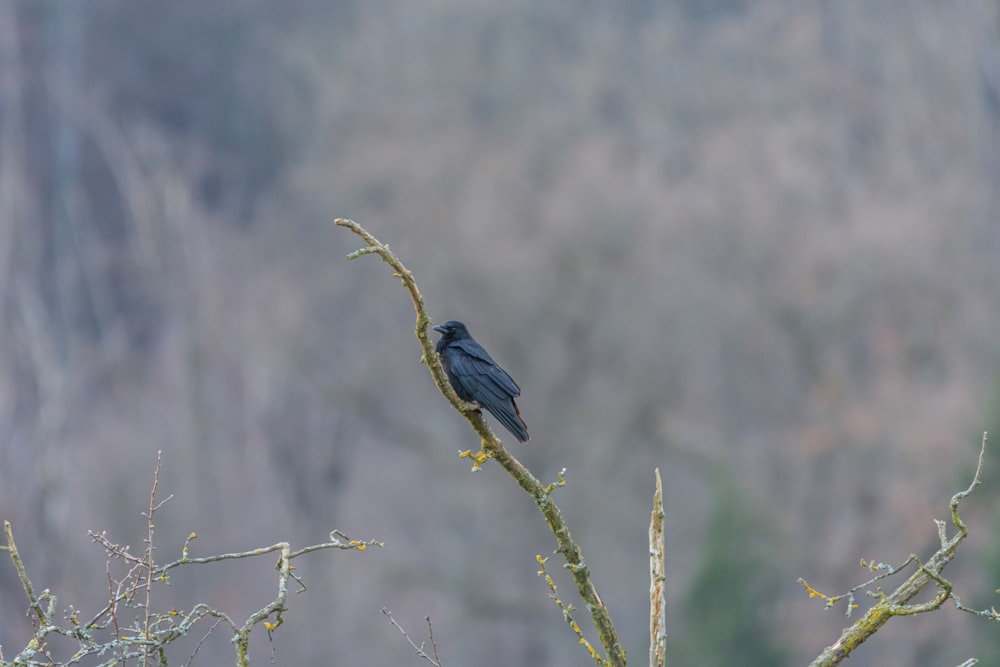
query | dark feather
[475, 377]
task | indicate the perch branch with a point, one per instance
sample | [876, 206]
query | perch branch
[492, 447]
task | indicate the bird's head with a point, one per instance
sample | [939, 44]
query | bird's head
[452, 329]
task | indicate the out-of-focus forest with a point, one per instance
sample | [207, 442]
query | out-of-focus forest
[752, 243]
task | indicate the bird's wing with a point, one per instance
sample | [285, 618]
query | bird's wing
[489, 386]
[477, 366]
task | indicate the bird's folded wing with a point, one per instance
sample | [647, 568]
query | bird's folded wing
[485, 381]
[477, 362]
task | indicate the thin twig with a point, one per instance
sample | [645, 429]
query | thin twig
[417, 650]
[113, 597]
[434, 644]
[22, 574]
[202, 641]
[567, 612]
[148, 557]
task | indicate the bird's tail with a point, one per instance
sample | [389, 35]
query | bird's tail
[510, 417]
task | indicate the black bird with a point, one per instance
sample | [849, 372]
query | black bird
[475, 377]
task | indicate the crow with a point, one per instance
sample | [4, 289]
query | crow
[475, 377]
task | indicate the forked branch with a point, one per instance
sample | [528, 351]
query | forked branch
[897, 603]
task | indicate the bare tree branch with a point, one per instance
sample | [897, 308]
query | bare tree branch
[897, 603]
[657, 580]
[146, 633]
[418, 650]
[493, 448]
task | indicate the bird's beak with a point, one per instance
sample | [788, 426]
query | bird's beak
[440, 328]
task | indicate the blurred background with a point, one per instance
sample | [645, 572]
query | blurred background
[754, 244]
